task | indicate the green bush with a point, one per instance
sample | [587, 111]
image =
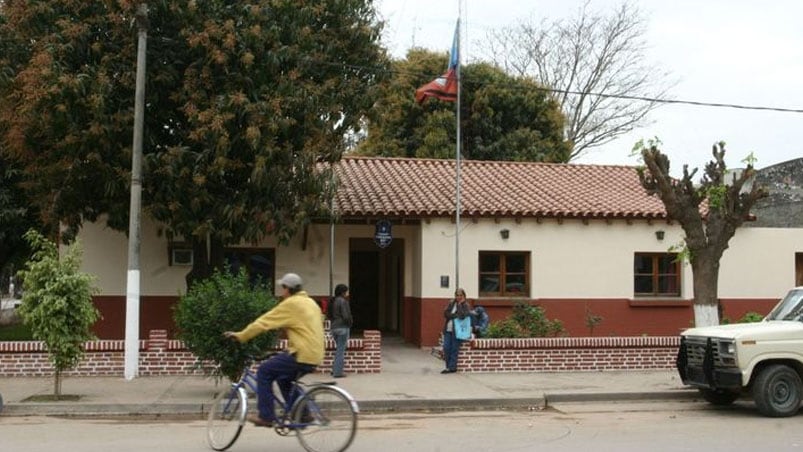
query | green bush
[748, 317]
[504, 328]
[525, 321]
[751, 317]
[57, 302]
[223, 302]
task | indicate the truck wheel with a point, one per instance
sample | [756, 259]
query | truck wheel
[777, 391]
[719, 397]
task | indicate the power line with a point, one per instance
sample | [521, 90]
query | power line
[610, 96]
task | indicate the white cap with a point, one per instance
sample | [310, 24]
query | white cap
[291, 280]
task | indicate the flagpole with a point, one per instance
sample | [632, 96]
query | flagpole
[457, 167]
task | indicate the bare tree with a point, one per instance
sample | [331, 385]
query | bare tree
[709, 214]
[595, 64]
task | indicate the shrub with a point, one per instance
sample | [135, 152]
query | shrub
[525, 321]
[504, 328]
[223, 302]
[57, 303]
[751, 317]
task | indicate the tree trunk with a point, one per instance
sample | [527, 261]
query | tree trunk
[206, 258]
[57, 384]
[706, 303]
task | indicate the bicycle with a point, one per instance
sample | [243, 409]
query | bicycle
[322, 415]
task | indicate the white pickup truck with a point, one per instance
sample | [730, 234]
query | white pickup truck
[764, 359]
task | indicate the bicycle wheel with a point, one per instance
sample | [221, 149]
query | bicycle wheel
[325, 419]
[226, 418]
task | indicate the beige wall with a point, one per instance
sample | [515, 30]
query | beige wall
[760, 263]
[569, 260]
[313, 263]
[105, 256]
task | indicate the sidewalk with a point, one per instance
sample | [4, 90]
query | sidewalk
[410, 381]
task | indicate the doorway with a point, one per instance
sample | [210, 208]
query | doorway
[376, 285]
[798, 269]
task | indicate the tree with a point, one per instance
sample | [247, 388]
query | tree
[16, 217]
[57, 303]
[590, 61]
[709, 214]
[243, 101]
[502, 117]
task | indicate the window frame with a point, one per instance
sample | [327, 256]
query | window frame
[656, 275]
[502, 275]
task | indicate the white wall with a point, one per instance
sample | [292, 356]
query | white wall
[569, 260]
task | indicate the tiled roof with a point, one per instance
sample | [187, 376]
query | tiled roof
[419, 188]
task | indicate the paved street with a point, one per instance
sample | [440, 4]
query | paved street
[626, 426]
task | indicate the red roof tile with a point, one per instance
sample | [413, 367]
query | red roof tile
[399, 187]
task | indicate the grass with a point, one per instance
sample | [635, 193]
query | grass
[17, 332]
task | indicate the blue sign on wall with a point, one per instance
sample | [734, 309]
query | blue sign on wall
[382, 236]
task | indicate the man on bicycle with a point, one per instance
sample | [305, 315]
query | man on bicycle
[302, 321]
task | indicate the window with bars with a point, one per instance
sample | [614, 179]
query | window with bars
[504, 274]
[656, 275]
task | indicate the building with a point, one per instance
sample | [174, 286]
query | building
[581, 241]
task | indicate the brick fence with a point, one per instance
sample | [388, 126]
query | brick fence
[567, 354]
[162, 356]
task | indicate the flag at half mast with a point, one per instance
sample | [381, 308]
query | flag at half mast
[445, 86]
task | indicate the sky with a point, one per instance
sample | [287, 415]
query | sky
[743, 52]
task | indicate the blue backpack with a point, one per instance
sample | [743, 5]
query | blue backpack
[479, 321]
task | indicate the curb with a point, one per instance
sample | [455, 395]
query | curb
[681, 394]
[368, 406]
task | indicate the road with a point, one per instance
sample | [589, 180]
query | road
[632, 426]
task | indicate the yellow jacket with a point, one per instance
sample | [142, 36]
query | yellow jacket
[302, 320]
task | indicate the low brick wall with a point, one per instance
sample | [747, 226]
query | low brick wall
[162, 356]
[159, 355]
[568, 354]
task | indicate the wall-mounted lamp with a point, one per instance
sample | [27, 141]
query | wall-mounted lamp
[659, 235]
[504, 233]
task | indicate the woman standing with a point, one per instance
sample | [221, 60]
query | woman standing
[340, 316]
[458, 308]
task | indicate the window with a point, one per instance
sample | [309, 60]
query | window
[504, 274]
[258, 263]
[179, 253]
[656, 275]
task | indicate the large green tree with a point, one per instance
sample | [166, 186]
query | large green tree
[243, 100]
[16, 217]
[709, 213]
[502, 117]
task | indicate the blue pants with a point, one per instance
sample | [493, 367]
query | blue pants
[451, 347]
[283, 369]
[341, 336]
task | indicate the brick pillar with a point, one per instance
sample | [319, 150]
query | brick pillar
[157, 341]
[372, 345]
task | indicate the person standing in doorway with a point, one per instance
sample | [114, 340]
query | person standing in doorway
[341, 322]
[458, 308]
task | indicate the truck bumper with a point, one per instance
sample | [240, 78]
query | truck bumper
[704, 373]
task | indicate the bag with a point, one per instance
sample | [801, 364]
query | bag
[462, 328]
